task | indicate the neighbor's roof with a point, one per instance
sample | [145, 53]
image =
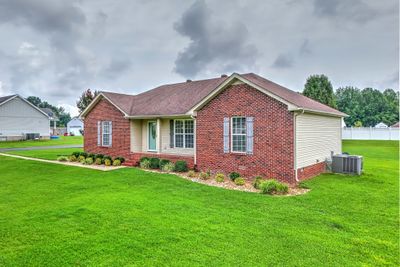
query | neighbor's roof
[50, 113]
[180, 98]
[396, 125]
[5, 98]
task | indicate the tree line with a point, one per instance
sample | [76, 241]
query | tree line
[63, 116]
[366, 107]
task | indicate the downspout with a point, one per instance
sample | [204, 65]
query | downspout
[295, 144]
[195, 137]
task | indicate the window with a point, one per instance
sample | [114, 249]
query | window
[106, 133]
[184, 133]
[238, 132]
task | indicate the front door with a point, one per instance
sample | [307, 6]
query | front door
[152, 136]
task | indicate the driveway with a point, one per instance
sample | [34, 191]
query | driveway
[39, 148]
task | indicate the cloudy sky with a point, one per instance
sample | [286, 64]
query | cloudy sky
[56, 49]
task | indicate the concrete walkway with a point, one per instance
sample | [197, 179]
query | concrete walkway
[39, 147]
[76, 164]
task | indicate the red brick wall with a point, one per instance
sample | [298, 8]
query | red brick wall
[273, 135]
[105, 111]
[311, 171]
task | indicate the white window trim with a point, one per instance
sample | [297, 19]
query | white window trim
[231, 135]
[109, 133]
[148, 139]
[184, 139]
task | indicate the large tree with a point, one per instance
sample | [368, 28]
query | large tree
[348, 100]
[85, 99]
[63, 116]
[319, 88]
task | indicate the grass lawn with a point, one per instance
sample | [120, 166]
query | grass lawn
[51, 154]
[55, 215]
[64, 140]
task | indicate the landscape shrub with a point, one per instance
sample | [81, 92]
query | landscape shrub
[168, 167]
[98, 161]
[145, 164]
[234, 175]
[89, 161]
[83, 161]
[121, 159]
[272, 186]
[84, 154]
[220, 177]
[91, 155]
[116, 162]
[76, 154]
[144, 158]
[105, 158]
[72, 158]
[239, 181]
[154, 163]
[107, 162]
[81, 158]
[99, 156]
[62, 158]
[204, 176]
[257, 181]
[181, 166]
[191, 174]
[163, 162]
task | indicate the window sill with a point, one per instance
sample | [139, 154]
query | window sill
[238, 153]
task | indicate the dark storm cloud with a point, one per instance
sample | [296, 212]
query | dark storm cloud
[212, 42]
[283, 61]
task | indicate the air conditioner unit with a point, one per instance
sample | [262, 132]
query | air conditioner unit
[343, 163]
[32, 136]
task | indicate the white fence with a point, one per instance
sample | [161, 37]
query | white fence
[369, 133]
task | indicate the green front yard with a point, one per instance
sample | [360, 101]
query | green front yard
[63, 140]
[54, 215]
[51, 154]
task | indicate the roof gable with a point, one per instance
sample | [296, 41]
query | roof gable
[5, 99]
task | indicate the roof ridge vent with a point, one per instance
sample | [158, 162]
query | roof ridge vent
[188, 80]
[224, 75]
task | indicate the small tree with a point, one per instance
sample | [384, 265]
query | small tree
[358, 124]
[85, 99]
[319, 88]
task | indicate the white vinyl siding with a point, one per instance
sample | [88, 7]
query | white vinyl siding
[136, 135]
[18, 118]
[316, 137]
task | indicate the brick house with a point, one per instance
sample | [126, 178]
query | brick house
[241, 123]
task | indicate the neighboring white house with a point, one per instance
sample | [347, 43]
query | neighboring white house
[19, 119]
[75, 126]
[381, 125]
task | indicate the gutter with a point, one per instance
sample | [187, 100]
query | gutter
[295, 145]
[195, 139]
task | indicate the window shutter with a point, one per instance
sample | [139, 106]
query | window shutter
[226, 135]
[249, 134]
[98, 133]
[110, 125]
[171, 134]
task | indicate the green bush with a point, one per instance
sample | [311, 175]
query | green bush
[76, 154]
[84, 154]
[98, 161]
[257, 181]
[204, 176]
[89, 161]
[144, 158]
[116, 162]
[191, 174]
[98, 156]
[234, 175]
[105, 158]
[220, 177]
[81, 158]
[107, 162]
[239, 181]
[163, 162]
[272, 186]
[169, 167]
[83, 161]
[121, 159]
[181, 166]
[154, 163]
[62, 158]
[91, 155]
[145, 164]
[72, 158]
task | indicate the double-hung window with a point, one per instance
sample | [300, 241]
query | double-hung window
[184, 133]
[238, 133]
[106, 130]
